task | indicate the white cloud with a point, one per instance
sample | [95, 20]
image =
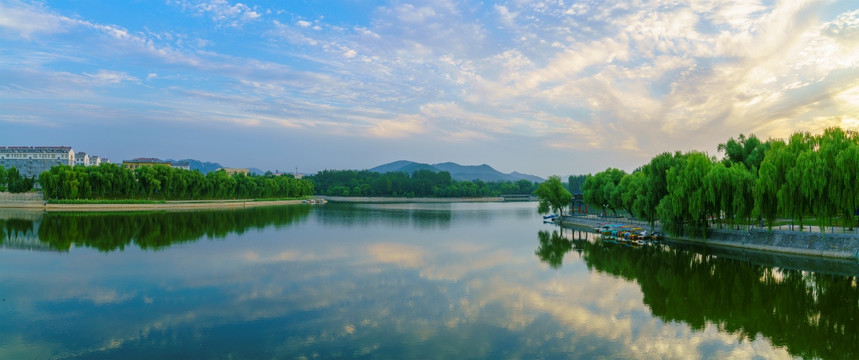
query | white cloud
[27, 20]
[221, 11]
[105, 77]
[572, 75]
[405, 125]
[505, 16]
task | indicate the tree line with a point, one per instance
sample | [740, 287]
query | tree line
[421, 183]
[806, 176]
[161, 182]
[12, 181]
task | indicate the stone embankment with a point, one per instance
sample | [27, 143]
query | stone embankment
[791, 242]
[833, 245]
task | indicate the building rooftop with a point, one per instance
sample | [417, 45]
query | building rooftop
[35, 149]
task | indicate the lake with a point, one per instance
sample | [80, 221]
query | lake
[400, 281]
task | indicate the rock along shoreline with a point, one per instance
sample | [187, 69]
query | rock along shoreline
[830, 245]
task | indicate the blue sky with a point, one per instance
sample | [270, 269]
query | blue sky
[541, 87]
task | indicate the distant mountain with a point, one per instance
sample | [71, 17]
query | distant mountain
[392, 167]
[459, 172]
[531, 178]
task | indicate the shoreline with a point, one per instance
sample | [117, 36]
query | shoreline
[169, 205]
[366, 199]
[841, 246]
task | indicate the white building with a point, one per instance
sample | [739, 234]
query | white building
[94, 160]
[81, 158]
[33, 160]
[186, 165]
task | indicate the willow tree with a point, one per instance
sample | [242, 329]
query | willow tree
[771, 177]
[634, 194]
[743, 200]
[552, 196]
[655, 186]
[846, 176]
[686, 203]
[603, 189]
[791, 200]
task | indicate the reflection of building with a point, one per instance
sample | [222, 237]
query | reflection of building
[33, 160]
[232, 171]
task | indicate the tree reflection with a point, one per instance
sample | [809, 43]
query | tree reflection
[155, 230]
[552, 248]
[812, 315]
[12, 227]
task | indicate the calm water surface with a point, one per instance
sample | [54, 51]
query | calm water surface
[417, 281]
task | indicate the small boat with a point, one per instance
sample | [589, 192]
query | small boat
[550, 217]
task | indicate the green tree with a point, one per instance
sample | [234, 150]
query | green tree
[146, 179]
[634, 194]
[2, 178]
[575, 183]
[747, 151]
[771, 178]
[552, 196]
[686, 203]
[603, 189]
[846, 176]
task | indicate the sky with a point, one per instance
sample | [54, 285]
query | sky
[540, 87]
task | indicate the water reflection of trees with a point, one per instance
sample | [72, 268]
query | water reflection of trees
[345, 215]
[11, 228]
[554, 246]
[155, 230]
[812, 315]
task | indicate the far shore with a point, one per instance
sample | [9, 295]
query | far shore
[365, 199]
[32, 201]
[40, 205]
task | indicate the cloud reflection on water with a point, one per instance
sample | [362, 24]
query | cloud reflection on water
[474, 290]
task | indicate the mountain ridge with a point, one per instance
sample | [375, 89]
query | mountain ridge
[459, 172]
